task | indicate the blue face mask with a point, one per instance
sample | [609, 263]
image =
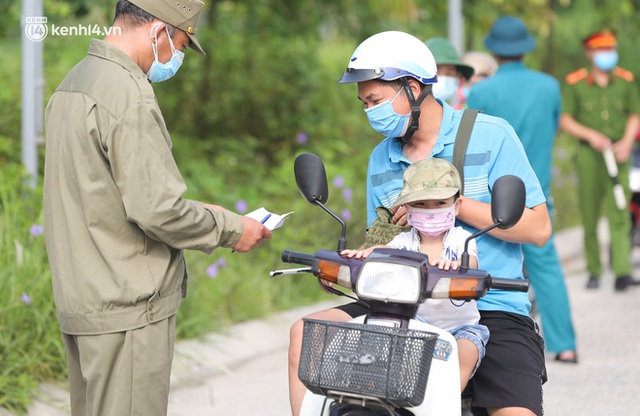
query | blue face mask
[158, 71]
[605, 60]
[386, 121]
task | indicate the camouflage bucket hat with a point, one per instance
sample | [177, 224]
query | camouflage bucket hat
[431, 178]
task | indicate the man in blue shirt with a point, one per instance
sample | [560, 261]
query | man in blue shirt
[394, 72]
[531, 102]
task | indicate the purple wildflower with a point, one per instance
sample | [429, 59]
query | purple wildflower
[346, 215]
[25, 298]
[302, 138]
[222, 262]
[241, 206]
[212, 270]
[338, 181]
[36, 230]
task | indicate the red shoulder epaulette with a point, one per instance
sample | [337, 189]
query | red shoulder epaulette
[624, 74]
[577, 76]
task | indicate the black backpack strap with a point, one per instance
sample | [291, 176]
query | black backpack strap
[462, 140]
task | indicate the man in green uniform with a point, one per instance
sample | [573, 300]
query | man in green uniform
[115, 220]
[601, 107]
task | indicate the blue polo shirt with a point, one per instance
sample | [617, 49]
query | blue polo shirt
[494, 150]
[531, 102]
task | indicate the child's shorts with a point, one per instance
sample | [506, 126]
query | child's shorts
[478, 334]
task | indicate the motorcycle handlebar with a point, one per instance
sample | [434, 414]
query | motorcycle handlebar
[297, 257]
[518, 285]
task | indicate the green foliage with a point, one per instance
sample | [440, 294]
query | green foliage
[565, 184]
[10, 105]
[246, 86]
[226, 287]
[30, 342]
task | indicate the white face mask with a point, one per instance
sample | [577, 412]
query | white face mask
[446, 87]
[159, 71]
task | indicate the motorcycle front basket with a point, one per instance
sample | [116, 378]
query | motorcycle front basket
[391, 364]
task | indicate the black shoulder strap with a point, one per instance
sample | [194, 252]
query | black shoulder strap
[462, 140]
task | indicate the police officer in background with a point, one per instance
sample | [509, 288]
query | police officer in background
[601, 108]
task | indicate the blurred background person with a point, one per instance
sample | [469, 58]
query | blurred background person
[452, 72]
[531, 102]
[484, 65]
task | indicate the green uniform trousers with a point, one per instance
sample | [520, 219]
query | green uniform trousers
[121, 374]
[595, 189]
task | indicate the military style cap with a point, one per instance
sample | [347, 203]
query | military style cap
[603, 39]
[509, 37]
[431, 178]
[183, 14]
[445, 54]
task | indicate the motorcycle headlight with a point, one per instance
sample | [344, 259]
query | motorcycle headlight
[389, 282]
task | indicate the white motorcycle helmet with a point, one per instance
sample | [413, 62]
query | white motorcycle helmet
[388, 56]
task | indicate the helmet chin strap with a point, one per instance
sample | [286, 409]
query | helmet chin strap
[415, 108]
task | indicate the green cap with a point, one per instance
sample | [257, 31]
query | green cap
[431, 178]
[445, 54]
[183, 14]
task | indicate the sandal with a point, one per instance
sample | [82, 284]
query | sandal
[566, 357]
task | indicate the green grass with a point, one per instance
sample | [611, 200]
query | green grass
[30, 343]
[565, 183]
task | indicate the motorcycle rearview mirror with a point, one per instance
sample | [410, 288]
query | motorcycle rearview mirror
[507, 206]
[507, 201]
[311, 178]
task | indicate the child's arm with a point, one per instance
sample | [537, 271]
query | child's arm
[360, 254]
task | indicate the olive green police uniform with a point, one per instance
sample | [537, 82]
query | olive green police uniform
[606, 110]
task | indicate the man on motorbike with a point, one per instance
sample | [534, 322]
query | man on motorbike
[394, 72]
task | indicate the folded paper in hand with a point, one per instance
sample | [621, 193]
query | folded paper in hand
[269, 219]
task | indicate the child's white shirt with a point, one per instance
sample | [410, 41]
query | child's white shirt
[444, 313]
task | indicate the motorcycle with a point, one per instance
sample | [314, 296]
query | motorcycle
[387, 362]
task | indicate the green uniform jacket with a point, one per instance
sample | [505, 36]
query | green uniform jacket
[115, 220]
[604, 109]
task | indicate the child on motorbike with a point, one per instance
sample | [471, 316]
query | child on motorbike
[430, 194]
